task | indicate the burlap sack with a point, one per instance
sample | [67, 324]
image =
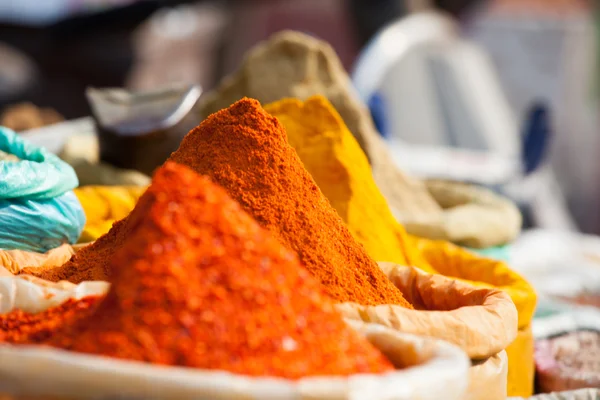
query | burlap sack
[481, 321]
[16, 260]
[292, 64]
[105, 174]
[473, 216]
[427, 368]
[447, 259]
[80, 246]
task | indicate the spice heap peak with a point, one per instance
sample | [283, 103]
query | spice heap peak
[245, 150]
[199, 283]
[338, 165]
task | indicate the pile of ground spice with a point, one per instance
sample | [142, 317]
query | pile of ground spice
[245, 150]
[578, 350]
[20, 327]
[298, 65]
[199, 283]
[569, 361]
[336, 162]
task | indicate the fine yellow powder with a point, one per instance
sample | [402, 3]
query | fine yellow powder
[341, 170]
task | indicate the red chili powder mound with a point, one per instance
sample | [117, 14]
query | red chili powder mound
[21, 327]
[199, 283]
[245, 150]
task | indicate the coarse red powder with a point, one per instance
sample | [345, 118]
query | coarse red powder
[198, 283]
[20, 327]
[245, 150]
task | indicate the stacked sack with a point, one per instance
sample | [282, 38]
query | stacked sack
[39, 212]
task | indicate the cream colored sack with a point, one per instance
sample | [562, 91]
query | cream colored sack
[487, 379]
[473, 216]
[16, 260]
[428, 368]
[431, 370]
[481, 321]
[105, 205]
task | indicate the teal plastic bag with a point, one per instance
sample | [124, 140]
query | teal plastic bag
[500, 253]
[40, 225]
[40, 175]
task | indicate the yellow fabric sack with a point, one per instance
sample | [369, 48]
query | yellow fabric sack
[103, 205]
[521, 364]
[16, 260]
[453, 261]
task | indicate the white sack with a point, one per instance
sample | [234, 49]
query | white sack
[35, 295]
[429, 370]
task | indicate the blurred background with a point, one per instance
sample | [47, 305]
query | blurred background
[503, 93]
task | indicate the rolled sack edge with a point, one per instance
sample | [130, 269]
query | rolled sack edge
[481, 321]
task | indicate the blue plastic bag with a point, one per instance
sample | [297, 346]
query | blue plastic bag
[40, 225]
[41, 174]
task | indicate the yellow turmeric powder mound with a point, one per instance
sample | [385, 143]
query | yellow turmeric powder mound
[341, 170]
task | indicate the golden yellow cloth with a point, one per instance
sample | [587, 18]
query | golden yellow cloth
[104, 205]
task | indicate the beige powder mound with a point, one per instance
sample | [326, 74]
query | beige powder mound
[292, 64]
